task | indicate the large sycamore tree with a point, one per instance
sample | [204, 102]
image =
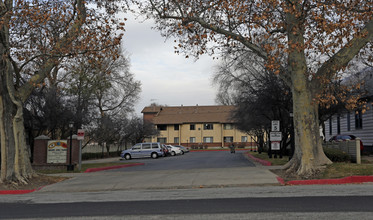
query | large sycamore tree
[306, 42]
[36, 38]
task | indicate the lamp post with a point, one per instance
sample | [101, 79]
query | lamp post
[70, 167]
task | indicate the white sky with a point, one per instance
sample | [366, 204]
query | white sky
[166, 78]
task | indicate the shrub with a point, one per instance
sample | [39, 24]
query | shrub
[336, 155]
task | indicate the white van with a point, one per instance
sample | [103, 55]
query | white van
[153, 150]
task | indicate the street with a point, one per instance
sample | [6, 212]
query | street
[188, 207]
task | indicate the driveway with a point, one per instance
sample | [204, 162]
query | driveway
[192, 160]
[192, 170]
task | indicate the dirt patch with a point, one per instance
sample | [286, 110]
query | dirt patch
[34, 183]
[290, 176]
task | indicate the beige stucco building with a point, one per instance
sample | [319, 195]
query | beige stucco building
[198, 126]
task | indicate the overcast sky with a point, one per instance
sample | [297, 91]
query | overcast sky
[166, 78]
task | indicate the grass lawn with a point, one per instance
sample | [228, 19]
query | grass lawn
[332, 171]
[339, 170]
[274, 161]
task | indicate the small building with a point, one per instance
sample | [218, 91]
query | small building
[210, 126]
[358, 122]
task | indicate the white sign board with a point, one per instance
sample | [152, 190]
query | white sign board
[57, 151]
[275, 145]
[80, 135]
[275, 125]
[275, 136]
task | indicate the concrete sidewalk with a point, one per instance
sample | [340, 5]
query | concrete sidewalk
[164, 179]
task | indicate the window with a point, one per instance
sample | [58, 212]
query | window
[348, 121]
[154, 146]
[338, 125]
[208, 139]
[244, 139]
[162, 140]
[228, 126]
[208, 126]
[176, 127]
[162, 127]
[330, 126]
[228, 139]
[358, 119]
[146, 146]
[136, 147]
[176, 139]
[192, 127]
[192, 140]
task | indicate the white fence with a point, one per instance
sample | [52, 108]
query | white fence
[352, 148]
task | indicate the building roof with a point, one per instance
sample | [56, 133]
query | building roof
[191, 114]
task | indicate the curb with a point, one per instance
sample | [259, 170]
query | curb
[19, 192]
[263, 162]
[345, 180]
[112, 167]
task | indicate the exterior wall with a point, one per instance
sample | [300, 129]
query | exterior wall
[217, 133]
[365, 134]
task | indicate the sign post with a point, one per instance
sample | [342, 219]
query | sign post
[275, 137]
[275, 125]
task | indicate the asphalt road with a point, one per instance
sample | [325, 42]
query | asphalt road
[191, 160]
[190, 207]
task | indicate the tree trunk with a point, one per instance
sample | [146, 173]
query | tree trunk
[309, 155]
[15, 160]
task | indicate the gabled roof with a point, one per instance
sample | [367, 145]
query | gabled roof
[191, 114]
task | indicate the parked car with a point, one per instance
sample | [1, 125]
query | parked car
[153, 150]
[174, 150]
[165, 150]
[182, 148]
[346, 137]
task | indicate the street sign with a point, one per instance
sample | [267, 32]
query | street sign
[275, 145]
[275, 136]
[80, 135]
[275, 125]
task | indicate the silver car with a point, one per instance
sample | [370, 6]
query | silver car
[140, 150]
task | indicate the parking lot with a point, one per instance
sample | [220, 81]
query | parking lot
[191, 160]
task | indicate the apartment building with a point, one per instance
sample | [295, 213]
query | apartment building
[209, 126]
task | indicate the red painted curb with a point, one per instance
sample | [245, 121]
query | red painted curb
[112, 167]
[281, 181]
[263, 162]
[345, 180]
[16, 192]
